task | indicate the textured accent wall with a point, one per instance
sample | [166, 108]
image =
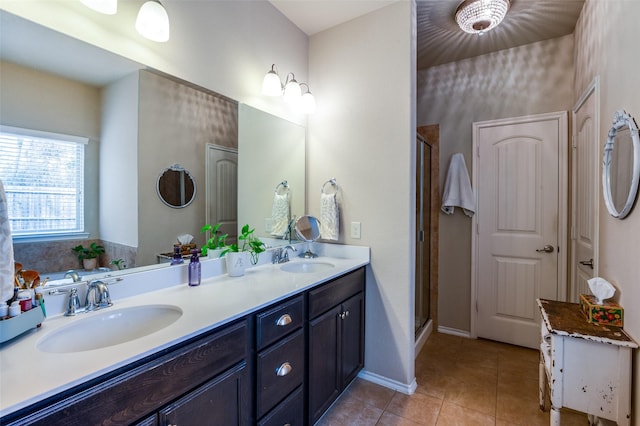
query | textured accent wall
[531, 79]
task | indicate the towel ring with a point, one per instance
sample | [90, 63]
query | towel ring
[333, 183]
[282, 185]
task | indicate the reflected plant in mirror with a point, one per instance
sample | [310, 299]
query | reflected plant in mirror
[216, 242]
[621, 165]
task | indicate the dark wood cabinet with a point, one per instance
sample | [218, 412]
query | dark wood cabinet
[283, 365]
[336, 340]
[135, 393]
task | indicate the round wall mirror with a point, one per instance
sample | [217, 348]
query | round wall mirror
[621, 165]
[176, 187]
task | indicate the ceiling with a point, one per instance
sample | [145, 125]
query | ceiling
[439, 39]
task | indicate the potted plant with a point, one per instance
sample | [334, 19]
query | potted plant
[89, 255]
[248, 244]
[216, 242]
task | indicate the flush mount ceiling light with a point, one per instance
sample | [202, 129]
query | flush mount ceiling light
[153, 21]
[108, 7]
[480, 16]
[291, 90]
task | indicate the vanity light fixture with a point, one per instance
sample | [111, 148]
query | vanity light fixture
[291, 90]
[480, 16]
[153, 21]
[307, 102]
[108, 7]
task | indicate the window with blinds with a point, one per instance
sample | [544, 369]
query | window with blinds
[43, 178]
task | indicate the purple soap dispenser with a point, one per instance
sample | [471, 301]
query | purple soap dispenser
[194, 269]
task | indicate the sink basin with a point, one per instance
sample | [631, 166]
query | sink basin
[306, 267]
[109, 327]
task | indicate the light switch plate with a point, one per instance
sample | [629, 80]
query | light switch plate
[355, 230]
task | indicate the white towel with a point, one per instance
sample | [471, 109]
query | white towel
[457, 188]
[280, 214]
[7, 267]
[329, 217]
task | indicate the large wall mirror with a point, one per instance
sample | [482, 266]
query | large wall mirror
[128, 170]
[621, 165]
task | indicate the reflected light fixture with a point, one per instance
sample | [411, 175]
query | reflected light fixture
[291, 91]
[271, 85]
[108, 7]
[153, 21]
[480, 16]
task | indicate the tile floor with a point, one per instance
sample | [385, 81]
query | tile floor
[460, 382]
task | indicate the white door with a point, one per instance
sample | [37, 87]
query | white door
[222, 190]
[585, 192]
[518, 176]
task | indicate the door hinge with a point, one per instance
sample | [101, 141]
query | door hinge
[573, 142]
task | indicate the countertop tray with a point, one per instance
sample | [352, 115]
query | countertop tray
[12, 327]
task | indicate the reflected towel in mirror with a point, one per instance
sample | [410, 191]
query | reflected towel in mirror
[280, 214]
[329, 217]
[457, 188]
[7, 267]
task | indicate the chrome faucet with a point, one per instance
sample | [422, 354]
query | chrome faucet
[288, 233]
[73, 275]
[281, 255]
[97, 296]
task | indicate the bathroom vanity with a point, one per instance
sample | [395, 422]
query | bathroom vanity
[270, 348]
[586, 366]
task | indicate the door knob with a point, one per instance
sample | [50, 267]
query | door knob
[546, 249]
[588, 263]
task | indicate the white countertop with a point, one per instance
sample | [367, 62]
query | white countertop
[30, 375]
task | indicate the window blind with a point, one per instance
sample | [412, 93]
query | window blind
[43, 177]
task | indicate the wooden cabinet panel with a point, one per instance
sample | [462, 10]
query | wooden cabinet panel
[324, 384]
[279, 321]
[288, 412]
[352, 341]
[279, 370]
[223, 401]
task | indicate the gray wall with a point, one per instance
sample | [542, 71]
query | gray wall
[530, 79]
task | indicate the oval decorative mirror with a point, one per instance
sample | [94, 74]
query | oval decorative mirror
[621, 165]
[176, 187]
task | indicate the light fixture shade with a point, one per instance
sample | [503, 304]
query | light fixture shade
[292, 91]
[108, 7]
[271, 85]
[153, 21]
[480, 16]
[308, 103]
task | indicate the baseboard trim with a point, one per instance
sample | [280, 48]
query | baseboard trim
[388, 383]
[454, 331]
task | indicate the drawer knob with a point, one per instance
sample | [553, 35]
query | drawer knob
[285, 319]
[284, 369]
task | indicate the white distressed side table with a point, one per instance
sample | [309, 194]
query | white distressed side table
[587, 367]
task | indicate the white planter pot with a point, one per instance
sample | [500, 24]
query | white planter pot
[237, 262]
[90, 264]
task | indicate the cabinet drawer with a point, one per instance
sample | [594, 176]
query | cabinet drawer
[289, 412]
[279, 370]
[279, 321]
[329, 295]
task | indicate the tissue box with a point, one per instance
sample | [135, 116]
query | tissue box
[609, 313]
